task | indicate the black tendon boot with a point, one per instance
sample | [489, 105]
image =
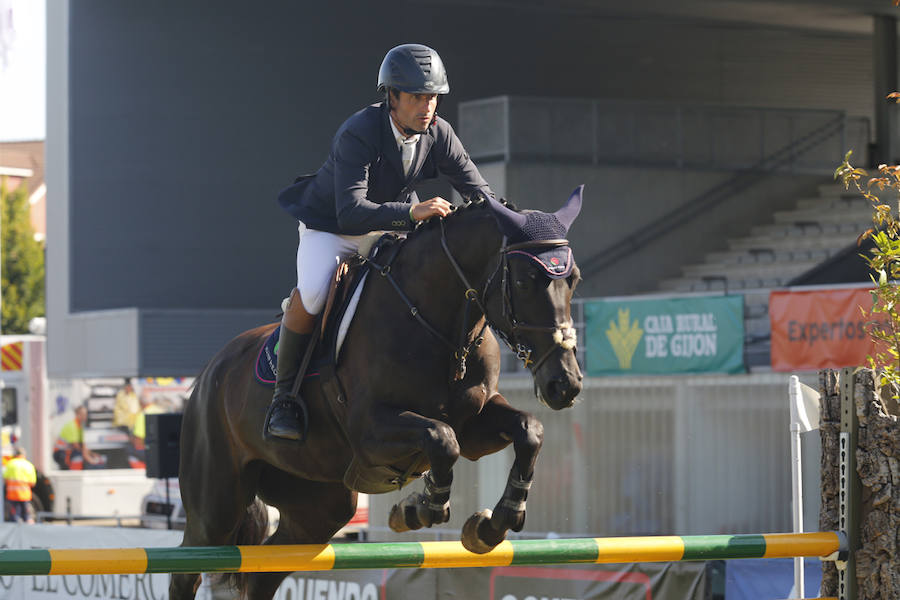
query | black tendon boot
[287, 415]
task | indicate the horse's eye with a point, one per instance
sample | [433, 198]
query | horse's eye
[522, 284]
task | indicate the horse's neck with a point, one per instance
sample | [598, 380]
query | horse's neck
[473, 241]
[474, 244]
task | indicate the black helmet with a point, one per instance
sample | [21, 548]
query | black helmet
[413, 68]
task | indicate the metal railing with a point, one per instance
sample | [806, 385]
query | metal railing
[69, 518]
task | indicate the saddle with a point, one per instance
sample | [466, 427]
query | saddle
[332, 323]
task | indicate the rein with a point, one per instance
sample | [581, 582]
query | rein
[461, 350]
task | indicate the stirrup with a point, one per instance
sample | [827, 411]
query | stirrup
[298, 406]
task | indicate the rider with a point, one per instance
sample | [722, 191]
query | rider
[366, 187]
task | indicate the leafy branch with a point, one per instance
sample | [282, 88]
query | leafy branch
[883, 319]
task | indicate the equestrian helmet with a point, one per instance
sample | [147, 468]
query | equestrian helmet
[413, 68]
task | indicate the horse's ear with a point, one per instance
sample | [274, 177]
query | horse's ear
[567, 213]
[510, 221]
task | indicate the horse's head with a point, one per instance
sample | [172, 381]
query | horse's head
[537, 279]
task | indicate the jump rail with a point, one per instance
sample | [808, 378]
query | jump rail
[425, 555]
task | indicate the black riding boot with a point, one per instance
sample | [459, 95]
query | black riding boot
[287, 415]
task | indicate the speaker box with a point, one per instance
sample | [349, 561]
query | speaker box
[163, 445]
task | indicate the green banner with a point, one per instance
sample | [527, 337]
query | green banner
[665, 336]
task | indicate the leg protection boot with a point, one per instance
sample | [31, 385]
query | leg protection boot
[287, 416]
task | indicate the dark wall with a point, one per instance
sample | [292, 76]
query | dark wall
[187, 118]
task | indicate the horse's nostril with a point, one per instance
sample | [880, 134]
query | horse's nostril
[559, 387]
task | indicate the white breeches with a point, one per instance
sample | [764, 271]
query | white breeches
[318, 255]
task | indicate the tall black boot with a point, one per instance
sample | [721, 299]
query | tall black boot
[287, 417]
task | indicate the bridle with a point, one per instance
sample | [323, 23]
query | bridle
[563, 334]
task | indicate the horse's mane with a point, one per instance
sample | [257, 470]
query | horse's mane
[466, 208]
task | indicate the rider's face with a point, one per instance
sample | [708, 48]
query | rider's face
[413, 111]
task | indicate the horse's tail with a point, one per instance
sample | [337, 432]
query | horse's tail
[251, 531]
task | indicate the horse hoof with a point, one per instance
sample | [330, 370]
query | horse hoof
[396, 520]
[470, 538]
[405, 516]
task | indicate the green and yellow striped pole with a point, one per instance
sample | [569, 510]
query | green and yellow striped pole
[423, 555]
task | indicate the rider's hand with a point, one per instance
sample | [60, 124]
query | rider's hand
[436, 207]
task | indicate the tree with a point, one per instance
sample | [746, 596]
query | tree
[21, 262]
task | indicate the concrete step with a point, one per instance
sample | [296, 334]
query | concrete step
[834, 203]
[809, 228]
[763, 271]
[677, 285]
[853, 214]
[832, 190]
[758, 243]
[721, 283]
[758, 256]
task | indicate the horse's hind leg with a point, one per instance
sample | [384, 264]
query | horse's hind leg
[311, 513]
[488, 432]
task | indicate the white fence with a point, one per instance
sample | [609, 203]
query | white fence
[643, 456]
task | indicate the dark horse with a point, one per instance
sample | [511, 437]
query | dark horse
[417, 391]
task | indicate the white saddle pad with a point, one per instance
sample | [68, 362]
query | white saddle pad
[348, 316]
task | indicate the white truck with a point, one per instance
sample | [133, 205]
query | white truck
[23, 388]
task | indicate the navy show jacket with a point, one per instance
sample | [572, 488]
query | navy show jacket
[361, 186]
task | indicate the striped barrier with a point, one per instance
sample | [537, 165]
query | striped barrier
[425, 555]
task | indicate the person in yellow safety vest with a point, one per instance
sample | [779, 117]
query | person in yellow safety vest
[69, 452]
[127, 407]
[138, 456]
[19, 477]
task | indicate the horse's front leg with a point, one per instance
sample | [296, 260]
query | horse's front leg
[391, 436]
[491, 430]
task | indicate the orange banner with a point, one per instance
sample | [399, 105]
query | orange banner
[819, 329]
[11, 357]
